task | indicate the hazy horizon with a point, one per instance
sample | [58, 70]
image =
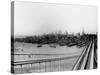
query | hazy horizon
[39, 18]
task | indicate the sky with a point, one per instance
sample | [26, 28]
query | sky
[38, 18]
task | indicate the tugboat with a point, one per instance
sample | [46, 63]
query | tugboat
[53, 45]
[39, 45]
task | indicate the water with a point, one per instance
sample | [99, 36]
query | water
[46, 52]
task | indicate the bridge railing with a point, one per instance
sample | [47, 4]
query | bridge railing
[86, 59]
